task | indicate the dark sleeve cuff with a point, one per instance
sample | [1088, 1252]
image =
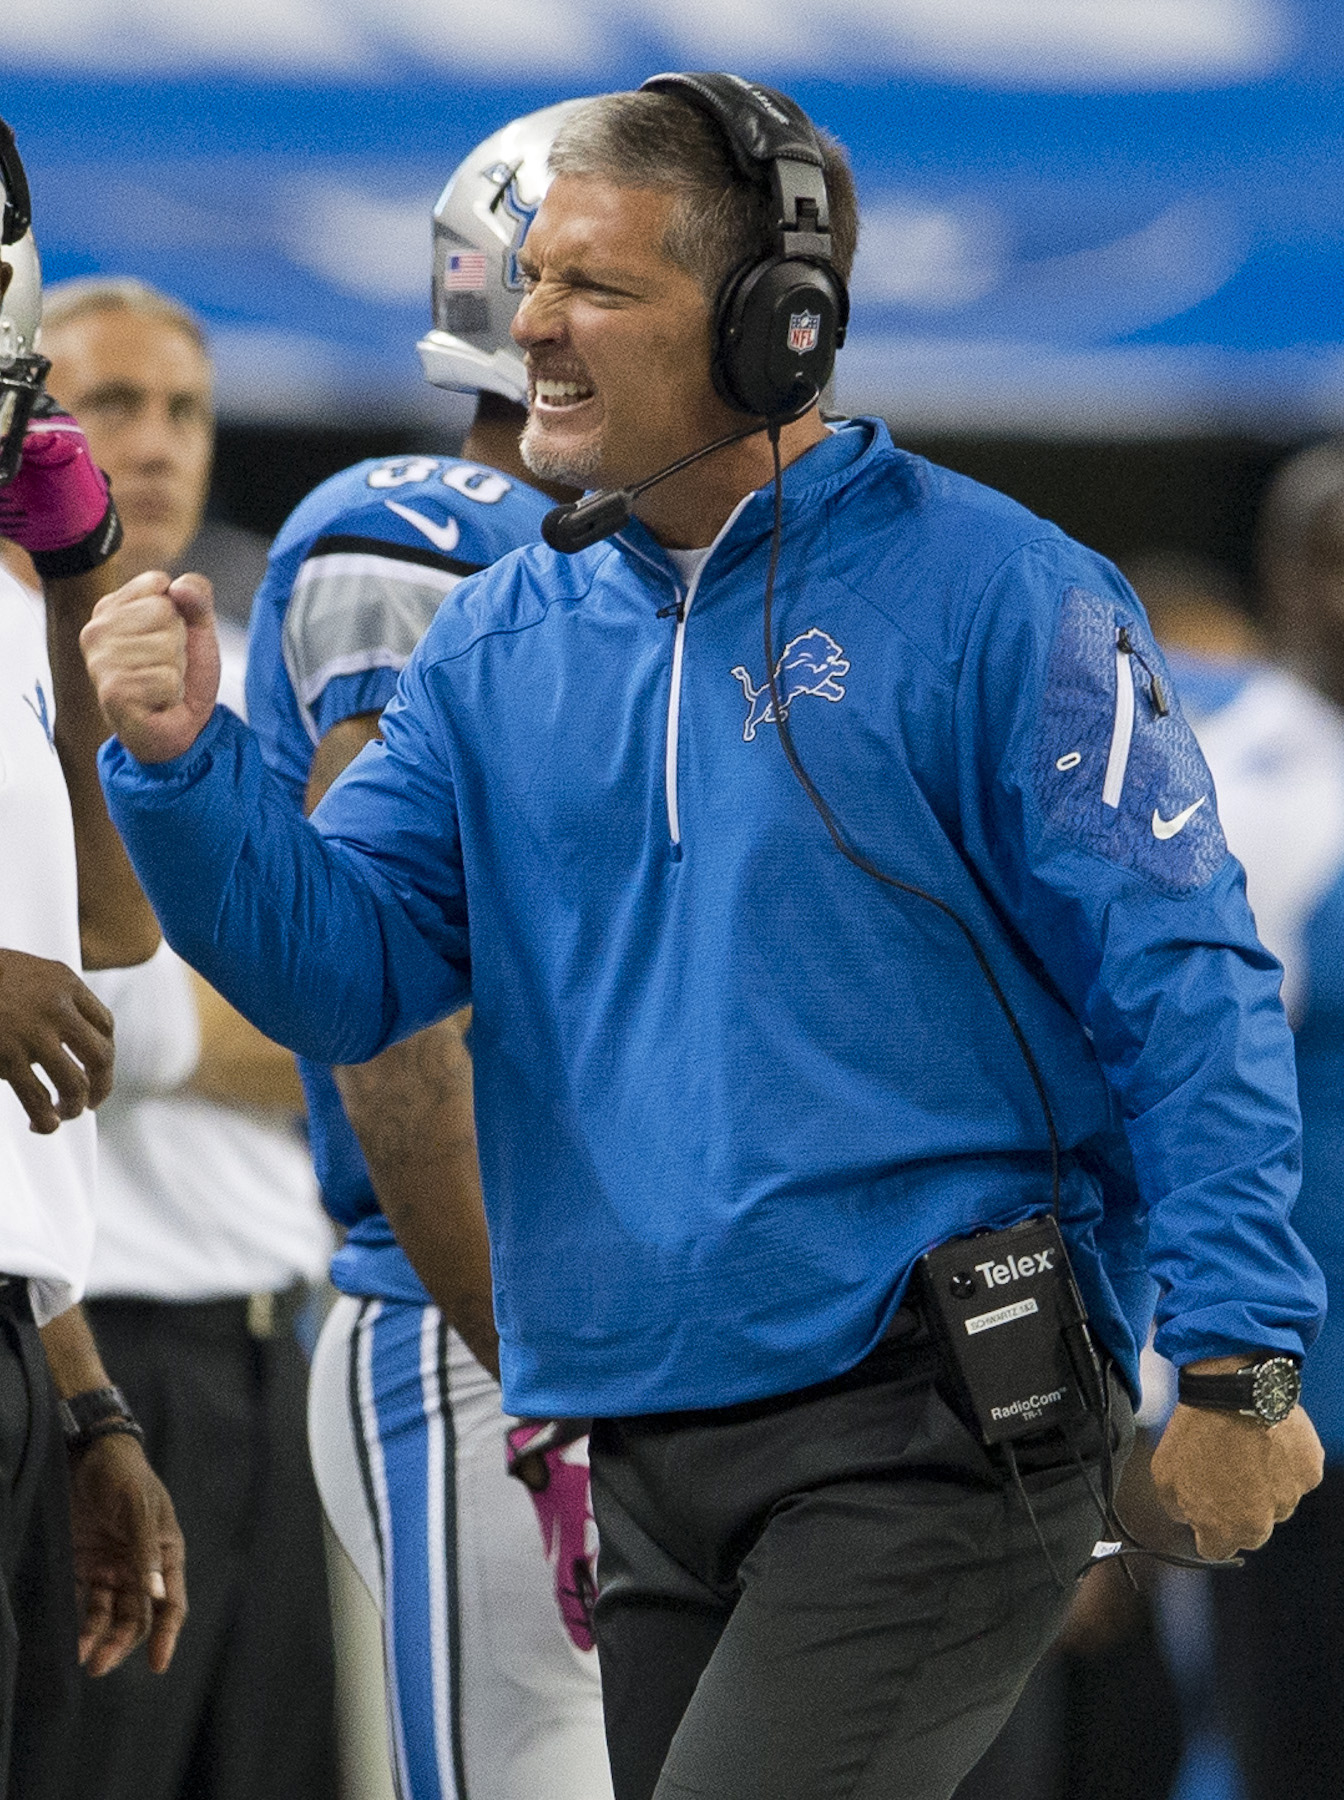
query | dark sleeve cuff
[89, 553]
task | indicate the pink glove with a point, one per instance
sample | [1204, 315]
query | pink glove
[558, 1484]
[58, 507]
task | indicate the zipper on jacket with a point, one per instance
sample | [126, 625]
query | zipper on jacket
[1157, 693]
[1122, 729]
[683, 607]
[681, 611]
[676, 611]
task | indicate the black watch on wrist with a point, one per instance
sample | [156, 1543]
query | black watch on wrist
[1267, 1389]
[98, 1412]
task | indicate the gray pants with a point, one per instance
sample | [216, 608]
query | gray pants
[834, 1595]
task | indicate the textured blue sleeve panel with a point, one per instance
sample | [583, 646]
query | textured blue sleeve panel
[1091, 818]
[1090, 728]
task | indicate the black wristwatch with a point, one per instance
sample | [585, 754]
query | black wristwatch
[98, 1412]
[1267, 1389]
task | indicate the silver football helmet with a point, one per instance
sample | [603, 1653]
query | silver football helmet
[21, 367]
[480, 222]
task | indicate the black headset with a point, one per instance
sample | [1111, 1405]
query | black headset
[18, 214]
[778, 319]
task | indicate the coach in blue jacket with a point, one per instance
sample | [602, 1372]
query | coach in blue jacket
[729, 1085]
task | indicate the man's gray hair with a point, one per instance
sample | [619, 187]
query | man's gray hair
[720, 220]
[86, 294]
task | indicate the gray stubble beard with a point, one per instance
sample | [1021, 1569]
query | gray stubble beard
[574, 468]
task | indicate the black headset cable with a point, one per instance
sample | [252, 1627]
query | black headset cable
[1103, 1499]
[860, 861]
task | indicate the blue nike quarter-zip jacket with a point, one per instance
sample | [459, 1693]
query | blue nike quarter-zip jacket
[728, 1086]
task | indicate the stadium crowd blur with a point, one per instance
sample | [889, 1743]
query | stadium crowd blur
[1175, 1685]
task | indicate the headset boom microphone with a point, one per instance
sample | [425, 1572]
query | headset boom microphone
[578, 524]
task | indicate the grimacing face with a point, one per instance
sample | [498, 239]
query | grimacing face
[142, 390]
[616, 336]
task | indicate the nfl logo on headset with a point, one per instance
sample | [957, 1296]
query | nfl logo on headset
[804, 328]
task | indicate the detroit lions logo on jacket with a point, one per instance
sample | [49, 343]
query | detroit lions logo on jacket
[811, 664]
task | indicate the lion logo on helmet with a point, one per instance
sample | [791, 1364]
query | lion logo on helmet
[517, 209]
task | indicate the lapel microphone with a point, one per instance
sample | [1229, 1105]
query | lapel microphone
[574, 527]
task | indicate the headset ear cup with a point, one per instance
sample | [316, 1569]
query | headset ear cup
[776, 331]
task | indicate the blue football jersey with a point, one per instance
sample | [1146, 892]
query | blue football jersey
[354, 578]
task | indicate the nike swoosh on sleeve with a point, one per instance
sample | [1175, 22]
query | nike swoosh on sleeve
[1168, 828]
[443, 537]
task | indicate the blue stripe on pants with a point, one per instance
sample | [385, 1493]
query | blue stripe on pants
[404, 1425]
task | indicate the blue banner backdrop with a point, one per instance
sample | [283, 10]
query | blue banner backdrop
[1080, 218]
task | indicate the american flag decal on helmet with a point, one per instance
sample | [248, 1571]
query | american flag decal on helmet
[465, 269]
[804, 328]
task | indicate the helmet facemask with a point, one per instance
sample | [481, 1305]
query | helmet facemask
[22, 369]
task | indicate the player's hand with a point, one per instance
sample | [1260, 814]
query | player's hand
[58, 507]
[549, 1457]
[50, 1021]
[1232, 1480]
[153, 659]
[129, 1556]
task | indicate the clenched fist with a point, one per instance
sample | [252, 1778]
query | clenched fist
[153, 659]
[1233, 1479]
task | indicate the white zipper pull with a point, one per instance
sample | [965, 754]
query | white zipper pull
[1122, 730]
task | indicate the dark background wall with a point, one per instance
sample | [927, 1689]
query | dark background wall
[1193, 494]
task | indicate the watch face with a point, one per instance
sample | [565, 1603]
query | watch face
[1278, 1386]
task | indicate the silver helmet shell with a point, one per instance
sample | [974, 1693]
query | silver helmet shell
[480, 221]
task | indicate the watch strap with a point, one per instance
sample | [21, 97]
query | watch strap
[1239, 1390]
[131, 1428]
[97, 1412]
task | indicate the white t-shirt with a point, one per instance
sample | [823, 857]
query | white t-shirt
[46, 1183]
[688, 563]
[198, 1200]
[1276, 752]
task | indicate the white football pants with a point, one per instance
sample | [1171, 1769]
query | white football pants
[488, 1697]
